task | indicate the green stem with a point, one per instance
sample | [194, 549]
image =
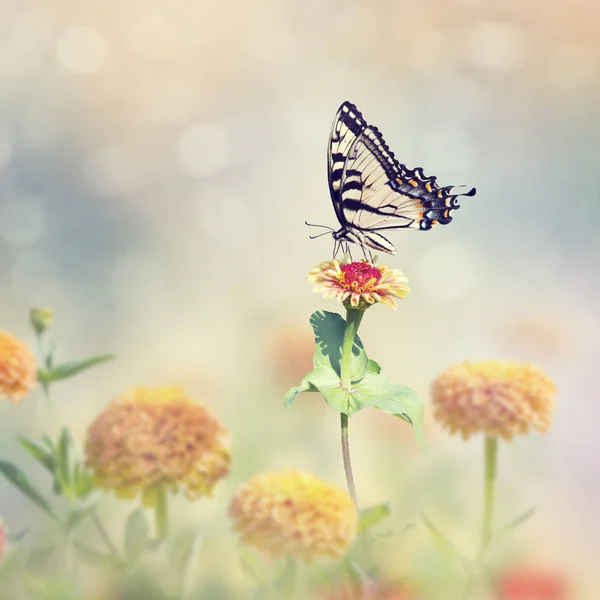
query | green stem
[489, 486]
[353, 319]
[162, 517]
[346, 457]
[104, 534]
[491, 458]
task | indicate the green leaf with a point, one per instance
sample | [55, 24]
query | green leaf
[324, 380]
[63, 467]
[369, 517]
[373, 367]
[394, 538]
[81, 511]
[190, 566]
[447, 548]
[292, 393]
[136, 534]
[16, 537]
[356, 574]
[285, 581]
[44, 457]
[68, 369]
[368, 389]
[373, 390]
[522, 518]
[329, 337]
[379, 392]
[94, 558]
[20, 481]
[252, 565]
[83, 481]
[44, 559]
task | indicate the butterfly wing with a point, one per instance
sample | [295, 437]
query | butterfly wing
[378, 193]
[347, 125]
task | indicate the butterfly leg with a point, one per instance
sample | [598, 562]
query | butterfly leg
[368, 258]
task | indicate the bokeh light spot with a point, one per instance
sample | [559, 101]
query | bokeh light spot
[22, 220]
[81, 49]
[138, 276]
[110, 171]
[203, 150]
[571, 66]
[6, 149]
[449, 271]
[151, 36]
[219, 207]
[496, 45]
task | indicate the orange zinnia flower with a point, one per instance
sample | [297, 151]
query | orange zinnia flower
[17, 368]
[150, 437]
[294, 513]
[498, 398]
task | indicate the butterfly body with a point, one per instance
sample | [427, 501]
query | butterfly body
[372, 192]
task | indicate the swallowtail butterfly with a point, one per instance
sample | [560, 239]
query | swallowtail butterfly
[372, 192]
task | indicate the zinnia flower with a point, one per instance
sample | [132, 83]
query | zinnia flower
[498, 398]
[373, 591]
[294, 513]
[2, 541]
[17, 368]
[291, 352]
[359, 284]
[532, 584]
[150, 437]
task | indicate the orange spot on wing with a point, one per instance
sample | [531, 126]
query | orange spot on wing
[413, 183]
[428, 187]
[399, 181]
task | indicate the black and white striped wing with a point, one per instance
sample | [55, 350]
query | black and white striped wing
[377, 192]
[348, 124]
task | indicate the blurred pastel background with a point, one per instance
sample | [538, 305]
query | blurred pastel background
[157, 163]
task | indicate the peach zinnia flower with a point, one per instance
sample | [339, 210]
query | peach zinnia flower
[498, 398]
[359, 284]
[17, 368]
[294, 513]
[149, 437]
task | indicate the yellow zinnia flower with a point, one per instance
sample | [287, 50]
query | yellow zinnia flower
[498, 398]
[359, 284]
[17, 368]
[294, 513]
[150, 437]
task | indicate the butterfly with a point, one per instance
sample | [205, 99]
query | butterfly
[372, 192]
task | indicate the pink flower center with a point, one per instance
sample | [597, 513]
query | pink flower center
[359, 276]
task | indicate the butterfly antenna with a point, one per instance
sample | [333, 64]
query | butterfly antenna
[314, 237]
[323, 226]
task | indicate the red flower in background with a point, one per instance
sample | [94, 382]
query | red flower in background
[532, 584]
[375, 591]
[2, 541]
